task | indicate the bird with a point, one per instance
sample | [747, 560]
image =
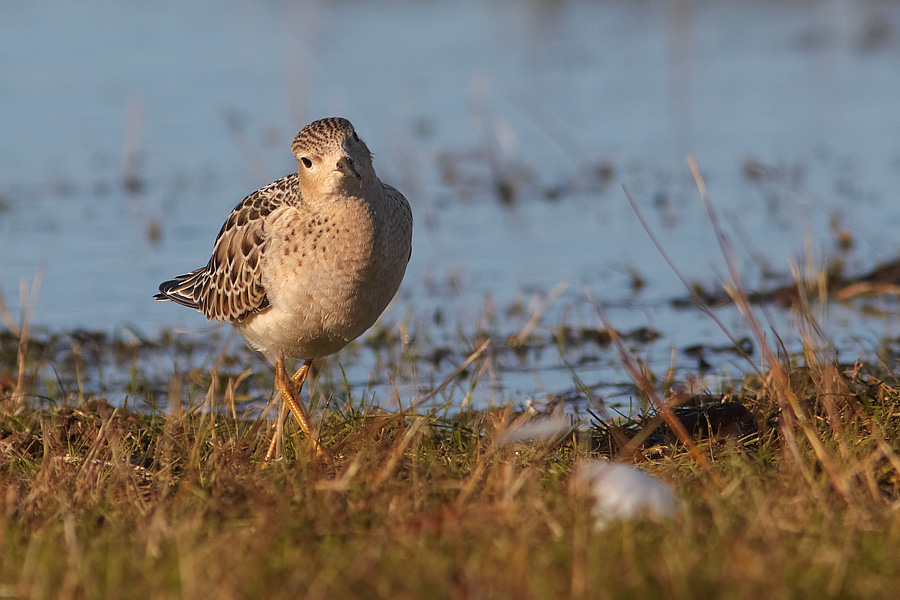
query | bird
[306, 264]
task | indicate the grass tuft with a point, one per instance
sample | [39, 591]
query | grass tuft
[98, 501]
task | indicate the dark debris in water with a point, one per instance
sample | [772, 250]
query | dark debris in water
[884, 279]
[742, 347]
[574, 336]
[63, 368]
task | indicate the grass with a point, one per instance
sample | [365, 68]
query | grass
[98, 501]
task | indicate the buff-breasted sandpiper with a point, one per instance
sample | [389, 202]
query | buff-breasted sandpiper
[308, 263]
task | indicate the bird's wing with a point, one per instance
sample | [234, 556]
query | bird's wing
[230, 287]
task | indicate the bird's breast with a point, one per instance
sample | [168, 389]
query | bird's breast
[329, 274]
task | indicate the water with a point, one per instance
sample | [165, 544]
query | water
[196, 105]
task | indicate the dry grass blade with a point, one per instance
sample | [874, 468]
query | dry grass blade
[555, 293]
[662, 407]
[867, 289]
[28, 301]
[414, 406]
[397, 451]
[777, 378]
[698, 302]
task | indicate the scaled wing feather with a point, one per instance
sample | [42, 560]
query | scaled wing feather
[230, 286]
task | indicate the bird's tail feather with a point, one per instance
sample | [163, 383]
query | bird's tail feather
[183, 289]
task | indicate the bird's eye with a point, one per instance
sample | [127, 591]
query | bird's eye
[306, 162]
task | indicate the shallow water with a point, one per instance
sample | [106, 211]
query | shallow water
[130, 131]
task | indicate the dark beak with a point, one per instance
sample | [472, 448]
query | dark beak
[345, 166]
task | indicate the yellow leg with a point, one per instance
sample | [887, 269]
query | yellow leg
[274, 446]
[300, 376]
[289, 390]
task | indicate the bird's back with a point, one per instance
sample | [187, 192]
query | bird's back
[229, 287]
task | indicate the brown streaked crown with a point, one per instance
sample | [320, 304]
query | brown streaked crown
[319, 135]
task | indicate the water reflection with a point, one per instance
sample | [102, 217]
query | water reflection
[131, 130]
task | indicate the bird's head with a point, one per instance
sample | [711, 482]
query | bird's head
[331, 157]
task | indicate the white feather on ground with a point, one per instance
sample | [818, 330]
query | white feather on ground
[622, 492]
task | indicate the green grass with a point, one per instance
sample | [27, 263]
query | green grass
[97, 502]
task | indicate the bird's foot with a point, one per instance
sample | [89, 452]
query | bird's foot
[289, 389]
